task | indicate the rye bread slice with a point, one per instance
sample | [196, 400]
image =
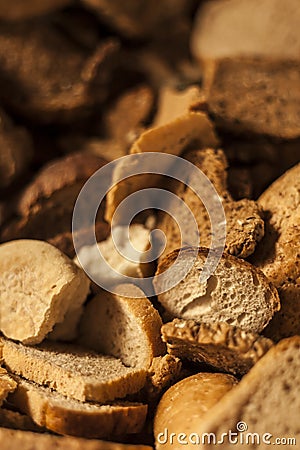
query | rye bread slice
[73, 371]
[236, 293]
[226, 348]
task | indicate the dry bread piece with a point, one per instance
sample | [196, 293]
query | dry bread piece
[26, 9]
[16, 439]
[250, 95]
[67, 82]
[46, 204]
[119, 253]
[38, 286]
[238, 27]
[123, 324]
[237, 293]
[16, 150]
[17, 421]
[278, 254]
[184, 129]
[73, 371]
[259, 403]
[200, 393]
[244, 224]
[7, 385]
[227, 348]
[66, 416]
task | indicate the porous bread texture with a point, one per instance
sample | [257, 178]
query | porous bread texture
[278, 253]
[261, 399]
[238, 27]
[119, 252]
[38, 286]
[200, 393]
[249, 95]
[7, 385]
[16, 439]
[123, 324]
[62, 415]
[185, 129]
[73, 371]
[244, 223]
[226, 348]
[236, 293]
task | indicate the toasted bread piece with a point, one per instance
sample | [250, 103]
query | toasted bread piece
[73, 371]
[66, 416]
[38, 286]
[278, 253]
[260, 401]
[7, 384]
[16, 439]
[17, 421]
[226, 348]
[123, 324]
[237, 292]
[250, 95]
[244, 224]
[200, 393]
[237, 28]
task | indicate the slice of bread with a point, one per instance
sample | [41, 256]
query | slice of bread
[226, 348]
[236, 293]
[57, 413]
[234, 28]
[123, 324]
[38, 286]
[182, 407]
[249, 95]
[16, 439]
[7, 384]
[266, 400]
[73, 371]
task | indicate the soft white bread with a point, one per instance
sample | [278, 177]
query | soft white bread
[57, 413]
[123, 324]
[266, 400]
[7, 384]
[16, 439]
[38, 285]
[182, 407]
[237, 292]
[73, 371]
[223, 346]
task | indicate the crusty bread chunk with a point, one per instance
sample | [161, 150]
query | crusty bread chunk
[183, 406]
[62, 415]
[261, 400]
[235, 28]
[237, 292]
[244, 224]
[250, 95]
[123, 324]
[16, 439]
[7, 384]
[38, 286]
[278, 253]
[73, 371]
[223, 346]
[17, 421]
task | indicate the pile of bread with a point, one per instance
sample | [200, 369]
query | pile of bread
[86, 368]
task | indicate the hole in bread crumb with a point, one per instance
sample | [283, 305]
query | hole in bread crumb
[54, 286]
[228, 265]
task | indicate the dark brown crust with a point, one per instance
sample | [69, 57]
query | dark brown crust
[226, 348]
